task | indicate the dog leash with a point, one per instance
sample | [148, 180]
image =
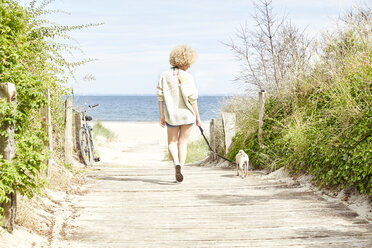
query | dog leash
[202, 133]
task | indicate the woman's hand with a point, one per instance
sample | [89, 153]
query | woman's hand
[161, 110]
[162, 121]
[196, 111]
[198, 121]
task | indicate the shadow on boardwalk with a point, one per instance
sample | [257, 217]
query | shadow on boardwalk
[126, 179]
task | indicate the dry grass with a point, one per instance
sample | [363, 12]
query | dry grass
[37, 214]
[66, 179]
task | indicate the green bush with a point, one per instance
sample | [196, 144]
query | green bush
[323, 128]
[30, 58]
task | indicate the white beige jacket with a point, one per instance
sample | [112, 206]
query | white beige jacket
[177, 89]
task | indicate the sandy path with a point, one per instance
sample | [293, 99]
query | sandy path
[132, 201]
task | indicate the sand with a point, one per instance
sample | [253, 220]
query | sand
[130, 135]
[361, 204]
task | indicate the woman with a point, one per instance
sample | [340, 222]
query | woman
[176, 88]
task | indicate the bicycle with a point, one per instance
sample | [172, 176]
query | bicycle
[86, 139]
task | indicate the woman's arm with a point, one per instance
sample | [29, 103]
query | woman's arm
[160, 96]
[161, 111]
[196, 111]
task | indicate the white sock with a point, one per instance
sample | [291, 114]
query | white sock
[176, 162]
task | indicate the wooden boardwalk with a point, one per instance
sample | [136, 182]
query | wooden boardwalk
[128, 207]
[137, 204]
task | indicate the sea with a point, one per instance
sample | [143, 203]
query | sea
[139, 108]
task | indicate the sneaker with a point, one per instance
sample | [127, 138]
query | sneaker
[179, 176]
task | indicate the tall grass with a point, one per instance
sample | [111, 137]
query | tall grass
[100, 130]
[196, 151]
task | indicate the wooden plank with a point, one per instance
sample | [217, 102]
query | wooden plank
[8, 93]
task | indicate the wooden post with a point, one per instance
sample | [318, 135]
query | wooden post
[212, 138]
[50, 136]
[261, 111]
[8, 93]
[50, 127]
[77, 119]
[228, 122]
[68, 131]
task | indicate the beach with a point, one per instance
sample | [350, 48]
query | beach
[134, 140]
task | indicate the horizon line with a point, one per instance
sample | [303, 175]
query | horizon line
[139, 95]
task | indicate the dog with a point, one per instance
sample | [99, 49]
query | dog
[242, 164]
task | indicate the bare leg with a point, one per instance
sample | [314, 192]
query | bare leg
[172, 143]
[183, 139]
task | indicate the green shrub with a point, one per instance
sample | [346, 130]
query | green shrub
[325, 127]
[30, 58]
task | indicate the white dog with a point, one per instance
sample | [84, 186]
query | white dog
[242, 163]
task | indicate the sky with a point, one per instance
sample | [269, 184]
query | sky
[132, 47]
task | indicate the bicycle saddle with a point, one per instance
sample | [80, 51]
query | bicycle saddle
[88, 118]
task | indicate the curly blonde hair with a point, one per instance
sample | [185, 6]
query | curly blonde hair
[182, 55]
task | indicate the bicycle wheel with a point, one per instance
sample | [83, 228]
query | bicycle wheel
[85, 147]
